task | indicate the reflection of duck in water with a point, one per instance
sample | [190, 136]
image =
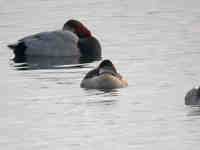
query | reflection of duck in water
[105, 76]
[73, 40]
[193, 97]
[43, 62]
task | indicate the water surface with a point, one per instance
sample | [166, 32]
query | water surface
[154, 45]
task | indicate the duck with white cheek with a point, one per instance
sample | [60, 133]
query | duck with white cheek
[73, 40]
[105, 76]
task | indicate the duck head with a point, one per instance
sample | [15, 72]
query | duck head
[89, 46]
[77, 27]
[107, 67]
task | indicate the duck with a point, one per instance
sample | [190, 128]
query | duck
[105, 76]
[193, 96]
[74, 39]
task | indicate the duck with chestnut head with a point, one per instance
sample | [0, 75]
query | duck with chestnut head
[105, 76]
[73, 40]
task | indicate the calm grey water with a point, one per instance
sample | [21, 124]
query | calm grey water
[155, 45]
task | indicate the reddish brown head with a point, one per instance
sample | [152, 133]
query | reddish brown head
[77, 27]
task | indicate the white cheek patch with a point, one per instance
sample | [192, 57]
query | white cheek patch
[104, 70]
[196, 87]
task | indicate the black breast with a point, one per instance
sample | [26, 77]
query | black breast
[90, 47]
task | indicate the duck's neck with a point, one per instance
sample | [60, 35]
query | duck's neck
[83, 32]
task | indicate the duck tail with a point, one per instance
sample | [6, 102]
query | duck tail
[18, 48]
[12, 46]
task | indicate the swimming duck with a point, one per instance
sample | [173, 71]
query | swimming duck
[193, 97]
[73, 40]
[105, 76]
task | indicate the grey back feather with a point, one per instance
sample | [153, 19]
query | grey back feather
[53, 43]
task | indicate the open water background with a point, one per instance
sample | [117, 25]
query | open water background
[154, 44]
